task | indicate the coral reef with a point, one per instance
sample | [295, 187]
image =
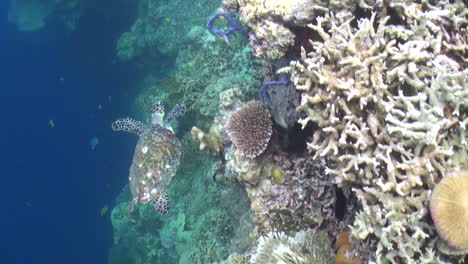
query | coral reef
[390, 102]
[287, 193]
[232, 26]
[250, 129]
[263, 90]
[134, 241]
[384, 82]
[29, 15]
[235, 259]
[305, 247]
[346, 254]
[206, 223]
[449, 209]
[211, 141]
[273, 24]
[34, 15]
[161, 28]
[215, 140]
[206, 68]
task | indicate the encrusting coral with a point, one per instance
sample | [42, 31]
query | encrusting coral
[449, 209]
[250, 129]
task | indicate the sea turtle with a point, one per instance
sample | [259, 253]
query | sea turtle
[156, 157]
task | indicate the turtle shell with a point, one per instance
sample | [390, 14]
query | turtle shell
[155, 162]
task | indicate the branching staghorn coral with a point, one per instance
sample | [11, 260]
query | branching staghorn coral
[391, 106]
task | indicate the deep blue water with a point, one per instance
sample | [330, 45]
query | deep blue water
[53, 185]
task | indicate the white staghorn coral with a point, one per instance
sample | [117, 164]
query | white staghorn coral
[391, 105]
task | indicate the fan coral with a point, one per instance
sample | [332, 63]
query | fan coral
[449, 209]
[250, 129]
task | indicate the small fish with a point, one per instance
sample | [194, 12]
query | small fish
[51, 123]
[133, 221]
[104, 210]
[99, 107]
[93, 142]
[168, 20]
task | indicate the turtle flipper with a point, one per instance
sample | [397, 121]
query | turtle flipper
[129, 125]
[161, 203]
[177, 111]
[132, 205]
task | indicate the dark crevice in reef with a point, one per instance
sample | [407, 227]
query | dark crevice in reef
[294, 139]
[340, 204]
[303, 36]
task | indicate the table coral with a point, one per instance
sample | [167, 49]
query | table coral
[250, 129]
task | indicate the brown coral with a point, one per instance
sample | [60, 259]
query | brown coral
[250, 129]
[211, 141]
[345, 250]
[449, 209]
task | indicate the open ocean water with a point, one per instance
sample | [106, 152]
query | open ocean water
[59, 91]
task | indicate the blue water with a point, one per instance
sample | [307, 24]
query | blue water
[53, 185]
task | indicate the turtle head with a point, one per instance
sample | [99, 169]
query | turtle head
[157, 113]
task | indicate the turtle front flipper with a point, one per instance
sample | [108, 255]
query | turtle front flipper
[161, 203]
[129, 125]
[177, 111]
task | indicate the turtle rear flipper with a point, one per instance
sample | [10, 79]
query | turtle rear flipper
[161, 203]
[132, 205]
